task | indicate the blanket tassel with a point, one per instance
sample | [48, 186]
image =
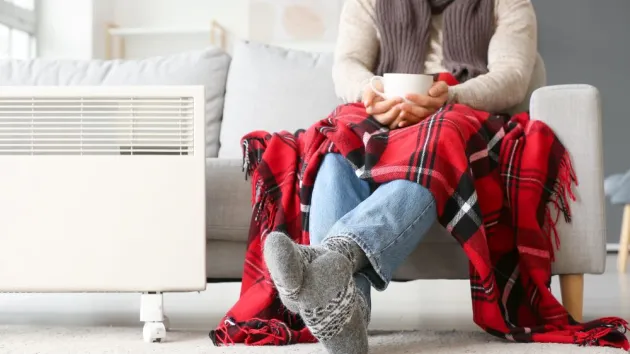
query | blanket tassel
[611, 332]
[267, 332]
[251, 158]
[559, 200]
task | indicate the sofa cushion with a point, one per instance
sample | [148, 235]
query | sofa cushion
[274, 89]
[208, 67]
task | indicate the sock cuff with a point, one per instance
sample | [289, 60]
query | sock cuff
[349, 249]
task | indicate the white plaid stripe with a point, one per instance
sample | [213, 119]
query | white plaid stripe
[487, 291]
[496, 138]
[465, 208]
[487, 151]
[509, 168]
[482, 154]
[506, 292]
[425, 144]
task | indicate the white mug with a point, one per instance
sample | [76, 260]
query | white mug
[400, 85]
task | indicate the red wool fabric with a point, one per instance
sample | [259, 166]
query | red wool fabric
[497, 182]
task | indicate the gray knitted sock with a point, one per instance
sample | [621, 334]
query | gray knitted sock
[318, 282]
[286, 262]
[332, 307]
[353, 337]
[349, 249]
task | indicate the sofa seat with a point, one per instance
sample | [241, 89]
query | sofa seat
[228, 200]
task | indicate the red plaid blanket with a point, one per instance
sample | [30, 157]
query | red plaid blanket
[495, 179]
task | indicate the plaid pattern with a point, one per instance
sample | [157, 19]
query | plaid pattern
[496, 180]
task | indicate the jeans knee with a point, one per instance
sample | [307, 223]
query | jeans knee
[413, 195]
[333, 166]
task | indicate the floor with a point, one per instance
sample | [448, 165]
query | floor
[404, 306]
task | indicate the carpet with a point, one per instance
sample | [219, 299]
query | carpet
[116, 340]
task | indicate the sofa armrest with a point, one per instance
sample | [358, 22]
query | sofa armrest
[574, 113]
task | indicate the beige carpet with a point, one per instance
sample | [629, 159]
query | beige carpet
[116, 340]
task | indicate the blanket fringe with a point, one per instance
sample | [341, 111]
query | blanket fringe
[611, 327]
[251, 158]
[559, 199]
[266, 332]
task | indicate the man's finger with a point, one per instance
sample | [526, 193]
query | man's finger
[418, 111]
[396, 123]
[409, 119]
[439, 88]
[387, 118]
[424, 101]
[368, 97]
[383, 106]
[420, 100]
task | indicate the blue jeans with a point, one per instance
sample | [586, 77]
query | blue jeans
[387, 224]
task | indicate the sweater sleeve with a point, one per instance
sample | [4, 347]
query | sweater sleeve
[356, 50]
[511, 59]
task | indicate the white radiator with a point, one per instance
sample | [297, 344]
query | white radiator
[102, 189]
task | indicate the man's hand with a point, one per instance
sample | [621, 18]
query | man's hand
[422, 106]
[384, 111]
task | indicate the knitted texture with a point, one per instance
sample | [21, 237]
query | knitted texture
[349, 249]
[317, 283]
[404, 28]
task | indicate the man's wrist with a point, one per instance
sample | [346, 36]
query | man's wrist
[365, 84]
[452, 95]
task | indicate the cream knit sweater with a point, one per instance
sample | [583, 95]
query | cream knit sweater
[511, 55]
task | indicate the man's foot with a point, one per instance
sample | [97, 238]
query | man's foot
[286, 262]
[332, 307]
[318, 283]
[353, 337]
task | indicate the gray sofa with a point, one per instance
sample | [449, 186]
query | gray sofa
[266, 88]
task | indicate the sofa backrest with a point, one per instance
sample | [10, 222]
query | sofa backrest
[208, 67]
[274, 89]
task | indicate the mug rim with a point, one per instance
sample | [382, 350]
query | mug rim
[406, 75]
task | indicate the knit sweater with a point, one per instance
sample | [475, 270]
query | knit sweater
[511, 55]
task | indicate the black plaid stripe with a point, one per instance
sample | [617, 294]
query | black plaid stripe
[375, 147]
[482, 290]
[419, 152]
[507, 275]
[369, 126]
[486, 142]
[495, 125]
[356, 157]
[462, 213]
[550, 183]
[513, 180]
[306, 193]
[432, 132]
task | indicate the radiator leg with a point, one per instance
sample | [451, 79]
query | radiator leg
[167, 323]
[152, 314]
